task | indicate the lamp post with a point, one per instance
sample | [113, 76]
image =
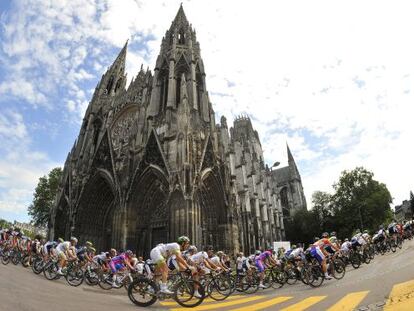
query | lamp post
[277, 163]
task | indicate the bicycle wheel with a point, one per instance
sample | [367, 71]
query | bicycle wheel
[251, 284]
[51, 271]
[15, 258]
[279, 278]
[291, 276]
[5, 259]
[316, 276]
[91, 277]
[25, 261]
[338, 269]
[219, 288]
[142, 292]
[105, 281]
[393, 246]
[399, 243]
[37, 265]
[74, 276]
[355, 260]
[184, 292]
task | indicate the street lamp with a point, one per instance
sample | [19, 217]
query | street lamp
[277, 163]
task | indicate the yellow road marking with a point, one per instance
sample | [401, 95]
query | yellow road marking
[263, 305]
[349, 302]
[218, 305]
[304, 304]
[174, 303]
[401, 297]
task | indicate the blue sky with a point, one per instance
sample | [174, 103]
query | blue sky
[331, 78]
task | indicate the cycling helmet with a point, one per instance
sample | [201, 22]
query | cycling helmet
[365, 231]
[73, 239]
[193, 249]
[315, 239]
[293, 246]
[220, 253]
[381, 227]
[183, 239]
[257, 252]
[129, 253]
[346, 239]
[333, 233]
[92, 249]
[112, 251]
[60, 240]
[325, 235]
[88, 243]
[107, 254]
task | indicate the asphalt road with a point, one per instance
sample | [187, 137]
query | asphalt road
[387, 283]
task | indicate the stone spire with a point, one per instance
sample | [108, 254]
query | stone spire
[180, 19]
[114, 78]
[292, 164]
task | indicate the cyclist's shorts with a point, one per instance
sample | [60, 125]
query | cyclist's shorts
[317, 253]
[172, 264]
[329, 249]
[62, 255]
[260, 266]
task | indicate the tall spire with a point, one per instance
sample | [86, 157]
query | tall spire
[180, 19]
[119, 62]
[291, 161]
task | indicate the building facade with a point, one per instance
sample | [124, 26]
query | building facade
[151, 164]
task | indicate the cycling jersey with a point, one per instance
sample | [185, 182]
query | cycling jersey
[63, 247]
[162, 251]
[199, 257]
[117, 262]
[296, 253]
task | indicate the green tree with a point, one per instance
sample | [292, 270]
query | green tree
[43, 197]
[360, 202]
[322, 206]
[4, 223]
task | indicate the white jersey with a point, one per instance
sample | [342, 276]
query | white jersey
[296, 252]
[101, 256]
[168, 249]
[240, 261]
[199, 257]
[63, 247]
[346, 246]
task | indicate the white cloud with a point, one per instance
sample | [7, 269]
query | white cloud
[20, 165]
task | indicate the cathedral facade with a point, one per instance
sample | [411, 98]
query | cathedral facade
[151, 163]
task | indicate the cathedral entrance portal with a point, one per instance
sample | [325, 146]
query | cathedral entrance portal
[147, 211]
[96, 219]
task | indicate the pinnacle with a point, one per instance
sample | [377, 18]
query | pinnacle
[180, 18]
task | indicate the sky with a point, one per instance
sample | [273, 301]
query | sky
[333, 79]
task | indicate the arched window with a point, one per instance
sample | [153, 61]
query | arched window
[181, 67]
[181, 37]
[163, 83]
[284, 198]
[200, 89]
[118, 84]
[110, 84]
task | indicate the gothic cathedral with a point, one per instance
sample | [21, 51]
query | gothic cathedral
[151, 164]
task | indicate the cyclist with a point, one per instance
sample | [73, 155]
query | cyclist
[160, 254]
[262, 260]
[318, 252]
[218, 260]
[102, 260]
[63, 252]
[392, 230]
[119, 263]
